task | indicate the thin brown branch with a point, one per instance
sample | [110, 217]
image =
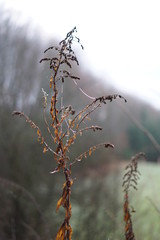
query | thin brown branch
[110, 98]
[31, 231]
[91, 150]
[94, 128]
[148, 134]
[14, 186]
[87, 114]
[34, 126]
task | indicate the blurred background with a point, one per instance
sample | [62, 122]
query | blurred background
[121, 55]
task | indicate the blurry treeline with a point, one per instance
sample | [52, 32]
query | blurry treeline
[28, 193]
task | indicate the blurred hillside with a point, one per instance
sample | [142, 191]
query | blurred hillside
[21, 158]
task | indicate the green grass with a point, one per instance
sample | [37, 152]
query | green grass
[99, 215]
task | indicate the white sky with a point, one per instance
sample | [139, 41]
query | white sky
[121, 38]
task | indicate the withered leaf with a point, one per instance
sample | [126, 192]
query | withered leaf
[90, 152]
[59, 203]
[109, 145]
[51, 82]
[42, 140]
[45, 149]
[61, 233]
[56, 132]
[17, 113]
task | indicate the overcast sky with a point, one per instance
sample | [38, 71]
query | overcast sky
[121, 37]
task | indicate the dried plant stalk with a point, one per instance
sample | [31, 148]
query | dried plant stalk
[66, 122]
[130, 179]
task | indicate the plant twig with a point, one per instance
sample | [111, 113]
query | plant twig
[148, 134]
[130, 179]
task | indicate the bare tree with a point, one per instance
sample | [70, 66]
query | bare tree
[19, 67]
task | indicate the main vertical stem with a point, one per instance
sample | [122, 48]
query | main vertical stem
[67, 173]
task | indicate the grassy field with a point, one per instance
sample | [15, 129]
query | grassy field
[98, 213]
